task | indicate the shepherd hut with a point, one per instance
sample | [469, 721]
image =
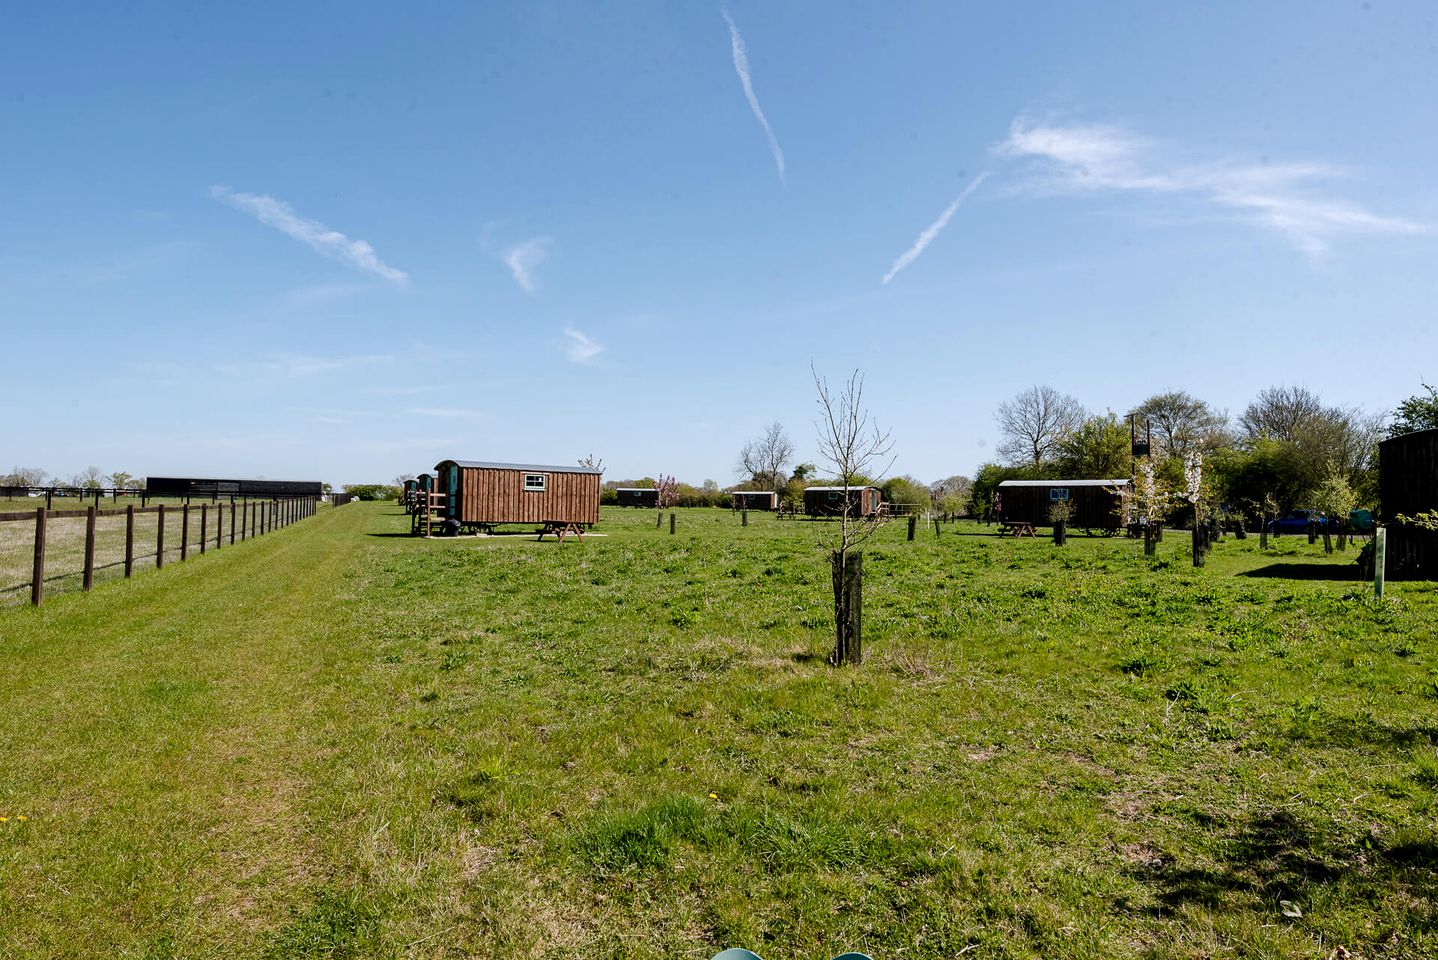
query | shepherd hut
[637, 496]
[833, 501]
[755, 500]
[1408, 486]
[479, 494]
[1093, 504]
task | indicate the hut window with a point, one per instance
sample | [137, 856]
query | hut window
[833, 494]
[534, 481]
[1058, 493]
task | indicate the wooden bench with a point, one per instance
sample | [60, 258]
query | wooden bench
[560, 529]
[1018, 528]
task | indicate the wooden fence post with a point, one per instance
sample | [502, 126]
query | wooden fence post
[185, 531]
[129, 540]
[913, 522]
[659, 520]
[219, 525]
[671, 521]
[232, 521]
[160, 539]
[204, 525]
[1380, 556]
[37, 583]
[744, 518]
[936, 526]
[89, 547]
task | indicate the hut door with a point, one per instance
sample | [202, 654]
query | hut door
[451, 499]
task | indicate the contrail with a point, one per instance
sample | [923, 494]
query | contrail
[933, 229]
[741, 67]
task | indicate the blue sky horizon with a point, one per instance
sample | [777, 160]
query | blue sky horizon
[343, 242]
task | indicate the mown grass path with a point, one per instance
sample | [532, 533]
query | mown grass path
[340, 742]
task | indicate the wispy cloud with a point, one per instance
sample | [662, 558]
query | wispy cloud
[741, 67]
[1281, 197]
[449, 413]
[278, 214]
[524, 258]
[320, 294]
[933, 229]
[292, 366]
[580, 348]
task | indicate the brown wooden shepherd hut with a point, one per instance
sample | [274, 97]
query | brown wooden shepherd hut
[755, 500]
[1408, 485]
[1094, 503]
[636, 496]
[480, 494]
[830, 501]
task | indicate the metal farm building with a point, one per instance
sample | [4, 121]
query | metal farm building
[637, 496]
[755, 500]
[831, 501]
[1408, 485]
[478, 494]
[1094, 503]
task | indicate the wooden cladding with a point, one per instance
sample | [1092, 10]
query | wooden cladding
[496, 495]
[1408, 485]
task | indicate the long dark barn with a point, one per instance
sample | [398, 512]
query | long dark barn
[1094, 504]
[479, 494]
[1408, 486]
[210, 487]
[832, 501]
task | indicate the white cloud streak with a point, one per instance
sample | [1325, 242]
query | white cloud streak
[524, 258]
[1078, 159]
[293, 366]
[741, 67]
[580, 348]
[276, 213]
[933, 229]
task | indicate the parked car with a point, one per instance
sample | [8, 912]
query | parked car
[1296, 521]
[1360, 521]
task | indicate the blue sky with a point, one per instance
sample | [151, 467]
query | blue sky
[344, 241]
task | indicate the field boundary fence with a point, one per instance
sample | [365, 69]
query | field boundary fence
[65, 549]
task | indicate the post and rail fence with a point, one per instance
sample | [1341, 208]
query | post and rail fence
[233, 522]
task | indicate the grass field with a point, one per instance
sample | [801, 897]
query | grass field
[338, 741]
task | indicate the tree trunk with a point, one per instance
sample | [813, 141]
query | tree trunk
[1060, 533]
[848, 576]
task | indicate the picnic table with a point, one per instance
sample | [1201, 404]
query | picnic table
[1019, 528]
[560, 529]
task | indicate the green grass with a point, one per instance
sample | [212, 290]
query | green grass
[340, 742]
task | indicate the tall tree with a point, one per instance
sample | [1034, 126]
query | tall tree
[1182, 423]
[1097, 450]
[25, 477]
[1281, 413]
[1032, 424]
[764, 458]
[1418, 412]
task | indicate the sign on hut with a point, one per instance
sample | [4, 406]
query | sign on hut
[478, 495]
[833, 501]
[1092, 504]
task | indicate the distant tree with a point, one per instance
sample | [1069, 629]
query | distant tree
[1418, 412]
[1314, 434]
[1181, 422]
[592, 463]
[1097, 449]
[854, 445]
[764, 458]
[710, 486]
[402, 479]
[952, 494]
[1033, 422]
[91, 478]
[25, 477]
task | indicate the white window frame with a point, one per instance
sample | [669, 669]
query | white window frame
[531, 488]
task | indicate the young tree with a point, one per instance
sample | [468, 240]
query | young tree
[764, 458]
[1032, 424]
[951, 495]
[668, 488]
[1335, 499]
[592, 463]
[854, 445]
